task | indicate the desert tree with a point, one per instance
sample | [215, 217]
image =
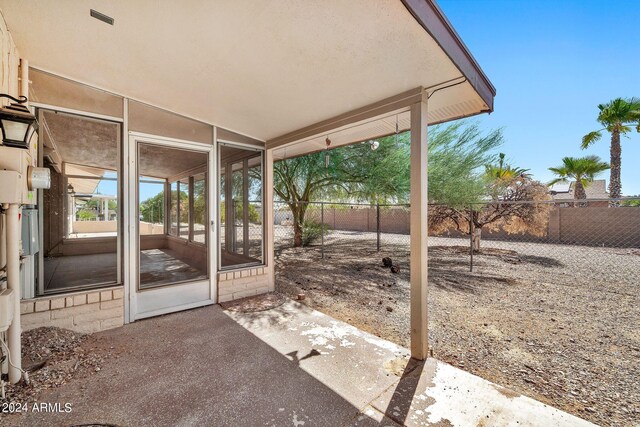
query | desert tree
[582, 170]
[353, 172]
[509, 200]
[618, 117]
[521, 209]
[458, 153]
[357, 173]
[152, 209]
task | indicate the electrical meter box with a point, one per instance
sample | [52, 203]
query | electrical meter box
[30, 231]
[14, 188]
[16, 160]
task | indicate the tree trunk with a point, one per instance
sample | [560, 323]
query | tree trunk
[579, 194]
[297, 233]
[298, 211]
[615, 186]
[476, 236]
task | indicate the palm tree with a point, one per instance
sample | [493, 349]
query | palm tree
[581, 169]
[502, 175]
[503, 171]
[617, 117]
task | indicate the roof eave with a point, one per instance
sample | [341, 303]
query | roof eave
[432, 19]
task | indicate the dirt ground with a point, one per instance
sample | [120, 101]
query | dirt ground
[51, 357]
[559, 324]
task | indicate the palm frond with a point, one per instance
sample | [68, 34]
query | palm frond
[583, 169]
[556, 181]
[590, 138]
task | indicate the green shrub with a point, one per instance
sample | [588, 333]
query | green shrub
[84, 215]
[254, 214]
[312, 231]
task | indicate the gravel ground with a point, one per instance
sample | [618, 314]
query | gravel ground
[558, 323]
[52, 356]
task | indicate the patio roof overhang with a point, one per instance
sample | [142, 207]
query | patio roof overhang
[262, 69]
[282, 72]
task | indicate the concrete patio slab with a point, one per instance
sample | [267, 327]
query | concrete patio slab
[193, 368]
[287, 366]
[435, 392]
[358, 365]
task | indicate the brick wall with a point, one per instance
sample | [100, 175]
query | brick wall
[244, 283]
[84, 312]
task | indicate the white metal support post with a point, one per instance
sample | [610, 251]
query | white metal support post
[269, 215]
[13, 279]
[419, 326]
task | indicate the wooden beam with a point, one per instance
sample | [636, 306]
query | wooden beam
[387, 105]
[418, 261]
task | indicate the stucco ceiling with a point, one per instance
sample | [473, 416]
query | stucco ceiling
[91, 146]
[165, 162]
[256, 67]
[80, 140]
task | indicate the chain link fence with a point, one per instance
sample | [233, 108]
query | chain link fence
[599, 230]
[331, 227]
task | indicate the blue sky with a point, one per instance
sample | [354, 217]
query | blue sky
[552, 63]
[111, 188]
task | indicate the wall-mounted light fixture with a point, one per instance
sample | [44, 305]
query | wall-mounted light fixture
[17, 123]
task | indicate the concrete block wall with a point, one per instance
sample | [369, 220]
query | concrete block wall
[85, 312]
[238, 284]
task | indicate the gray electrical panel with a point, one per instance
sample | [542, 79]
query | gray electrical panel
[30, 244]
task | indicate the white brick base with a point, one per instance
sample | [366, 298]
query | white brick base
[244, 283]
[85, 312]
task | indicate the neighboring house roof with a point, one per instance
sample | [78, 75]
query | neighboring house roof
[564, 191]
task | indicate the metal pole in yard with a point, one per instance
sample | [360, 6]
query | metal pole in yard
[378, 225]
[471, 231]
[322, 228]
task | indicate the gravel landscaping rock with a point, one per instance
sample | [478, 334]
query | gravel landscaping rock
[52, 356]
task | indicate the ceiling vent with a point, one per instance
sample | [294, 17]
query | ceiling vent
[102, 17]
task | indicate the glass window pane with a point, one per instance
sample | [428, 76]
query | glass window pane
[222, 211]
[152, 204]
[92, 208]
[173, 214]
[199, 209]
[237, 201]
[255, 211]
[169, 258]
[80, 211]
[240, 206]
[184, 208]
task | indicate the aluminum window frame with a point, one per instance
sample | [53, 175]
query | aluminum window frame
[263, 244]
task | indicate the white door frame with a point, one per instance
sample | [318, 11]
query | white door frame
[157, 300]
